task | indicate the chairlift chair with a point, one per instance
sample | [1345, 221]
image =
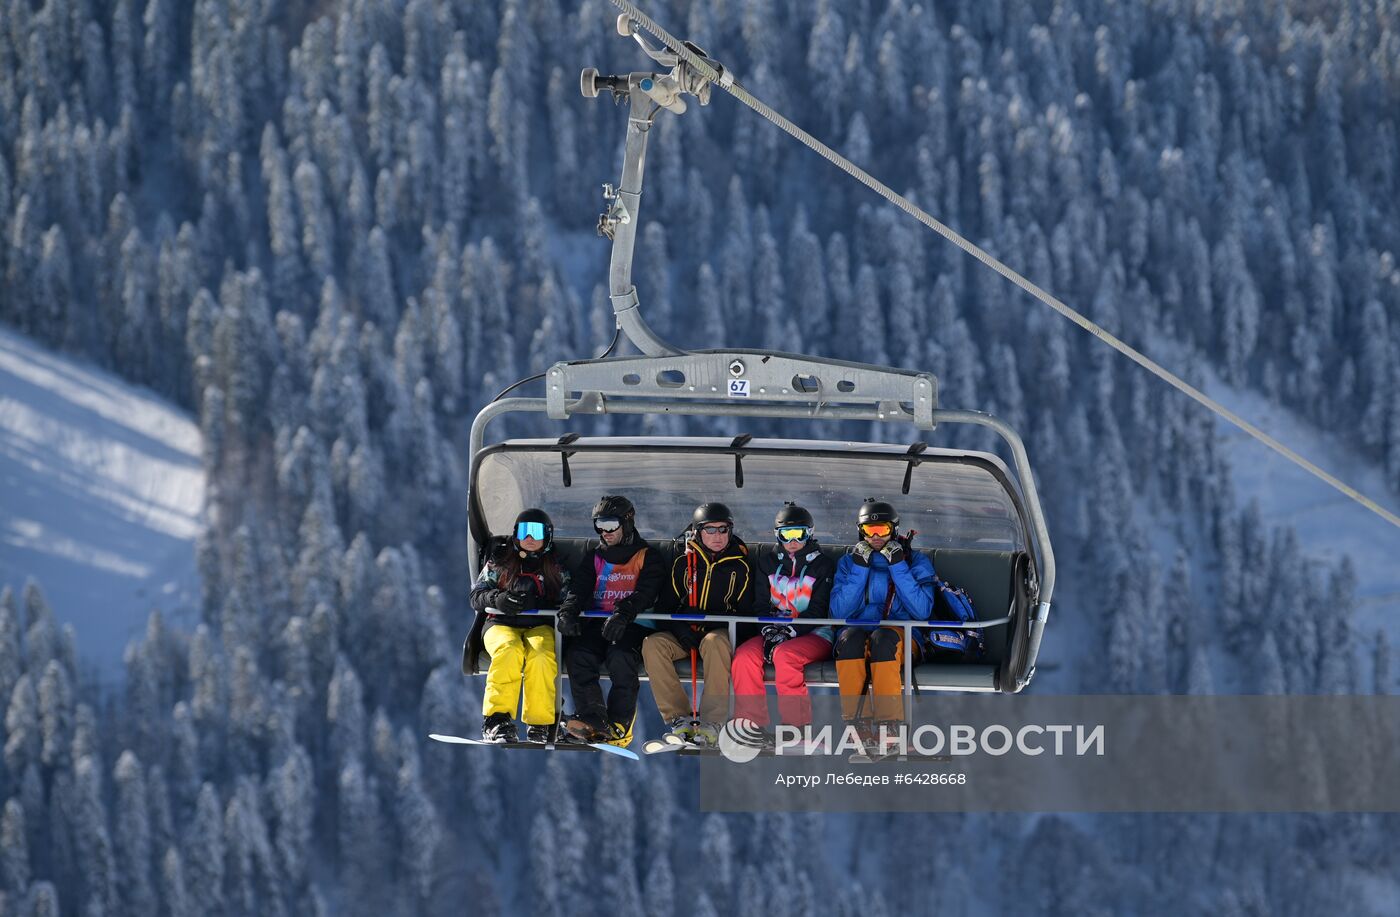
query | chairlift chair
[980, 520]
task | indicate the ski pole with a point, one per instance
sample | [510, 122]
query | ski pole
[694, 692]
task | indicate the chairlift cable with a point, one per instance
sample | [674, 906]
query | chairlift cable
[720, 76]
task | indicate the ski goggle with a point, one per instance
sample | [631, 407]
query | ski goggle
[794, 533]
[533, 530]
[877, 529]
[714, 530]
[604, 524]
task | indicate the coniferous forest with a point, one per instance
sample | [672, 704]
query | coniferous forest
[333, 229]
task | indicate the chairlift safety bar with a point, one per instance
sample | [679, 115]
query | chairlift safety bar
[778, 619]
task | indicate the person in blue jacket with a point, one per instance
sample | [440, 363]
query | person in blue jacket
[881, 578]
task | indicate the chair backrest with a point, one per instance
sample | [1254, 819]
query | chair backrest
[572, 550]
[985, 575]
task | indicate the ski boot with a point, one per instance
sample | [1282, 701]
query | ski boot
[747, 732]
[704, 735]
[678, 731]
[543, 734]
[499, 727]
[864, 734]
[889, 738]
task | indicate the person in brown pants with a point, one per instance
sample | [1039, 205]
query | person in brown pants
[712, 576]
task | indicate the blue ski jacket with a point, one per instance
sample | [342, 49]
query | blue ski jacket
[860, 593]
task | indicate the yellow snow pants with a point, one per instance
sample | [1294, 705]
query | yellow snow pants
[520, 655]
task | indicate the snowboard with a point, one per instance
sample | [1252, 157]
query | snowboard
[541, 746]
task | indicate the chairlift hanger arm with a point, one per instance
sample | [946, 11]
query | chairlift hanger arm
[647, 94]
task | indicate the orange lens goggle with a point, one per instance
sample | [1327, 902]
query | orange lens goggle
[877, 529]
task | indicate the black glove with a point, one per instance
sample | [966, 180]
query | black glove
[688, 635]
[615, 626]
[507, 602]
[524, 594]
[893, 551]
[569, 623]
[861, 552]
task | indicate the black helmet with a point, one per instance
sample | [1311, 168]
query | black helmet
[711, 512]
[792, 515]
[533, 515]
[615, 506]
[873, 510]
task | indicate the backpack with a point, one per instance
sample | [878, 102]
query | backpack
[953, 604]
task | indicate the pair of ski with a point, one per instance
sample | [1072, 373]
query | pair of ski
[542, 746]
[674, 743]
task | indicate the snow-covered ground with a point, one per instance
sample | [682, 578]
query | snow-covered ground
[1329, 524]
[101, 496]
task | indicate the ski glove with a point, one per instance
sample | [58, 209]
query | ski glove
[508, 602]
[615, 626]
[861, 553]
[569, 623]
[689, 635]
[526, 591]
[893, 551]
[774, 634]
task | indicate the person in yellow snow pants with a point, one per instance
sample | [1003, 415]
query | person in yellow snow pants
[522, 662]
[521, 577]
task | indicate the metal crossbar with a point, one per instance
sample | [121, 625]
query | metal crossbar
[774, 619]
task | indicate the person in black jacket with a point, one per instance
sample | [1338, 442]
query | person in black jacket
[711, 576]
[798, 578]
[522, 575]
[621, 575]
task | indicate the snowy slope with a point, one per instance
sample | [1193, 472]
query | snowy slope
[101, 499]
[1329, 524]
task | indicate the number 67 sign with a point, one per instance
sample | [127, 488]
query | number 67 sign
[738, 388]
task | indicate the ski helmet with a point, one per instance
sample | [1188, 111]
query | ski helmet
[707, 513]
[792, 515]
[613, 506]
[539, 518]
[617, 507]
[873, 510]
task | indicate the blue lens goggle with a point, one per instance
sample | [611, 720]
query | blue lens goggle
[533, 530]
